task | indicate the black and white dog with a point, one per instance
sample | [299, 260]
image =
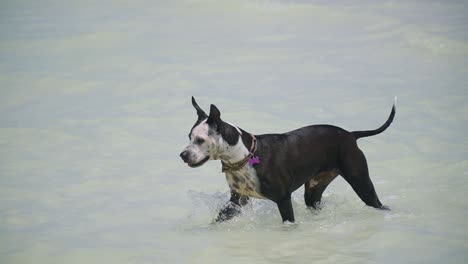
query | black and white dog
[272, 166]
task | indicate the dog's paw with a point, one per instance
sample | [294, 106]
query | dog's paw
[228, 212]
[384, 207]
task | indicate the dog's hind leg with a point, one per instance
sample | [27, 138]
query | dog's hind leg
[232, 207]
[314, 188]
[354, 170]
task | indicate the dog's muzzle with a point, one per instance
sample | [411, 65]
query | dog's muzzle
[185, 155]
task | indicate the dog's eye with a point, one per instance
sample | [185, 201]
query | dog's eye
[199, 141]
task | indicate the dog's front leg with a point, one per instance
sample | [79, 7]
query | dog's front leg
[286, 209]
[232, 207]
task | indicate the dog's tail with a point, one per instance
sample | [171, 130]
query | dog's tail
[368, 133]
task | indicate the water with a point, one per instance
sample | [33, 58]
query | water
[95, 108]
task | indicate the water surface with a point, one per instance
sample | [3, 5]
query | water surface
[95, 107]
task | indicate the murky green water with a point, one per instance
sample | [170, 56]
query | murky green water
[95, 108]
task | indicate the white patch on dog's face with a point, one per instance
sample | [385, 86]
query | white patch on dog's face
[203, 145]
[207, 144]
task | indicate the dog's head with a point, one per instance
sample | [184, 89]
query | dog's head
[210, 138]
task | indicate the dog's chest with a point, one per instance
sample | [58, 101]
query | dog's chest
[245, 182]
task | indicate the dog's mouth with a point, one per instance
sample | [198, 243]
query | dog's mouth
[198, 164]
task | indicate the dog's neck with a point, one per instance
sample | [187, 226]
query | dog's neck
[235, 153]
[232, 154]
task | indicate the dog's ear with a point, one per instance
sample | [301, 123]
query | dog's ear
[201, 114]
[215, 117]
[227, 131]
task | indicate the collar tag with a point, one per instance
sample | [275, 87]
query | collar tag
[254, 160]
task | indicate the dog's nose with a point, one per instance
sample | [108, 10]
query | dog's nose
[184, 155]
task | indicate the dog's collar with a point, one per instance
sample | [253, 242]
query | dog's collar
[230, 167]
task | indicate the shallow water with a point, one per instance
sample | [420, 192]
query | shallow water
[95, 107]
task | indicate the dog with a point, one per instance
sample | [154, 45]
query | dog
[272, 166]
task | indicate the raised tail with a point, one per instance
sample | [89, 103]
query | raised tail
[368, 133]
